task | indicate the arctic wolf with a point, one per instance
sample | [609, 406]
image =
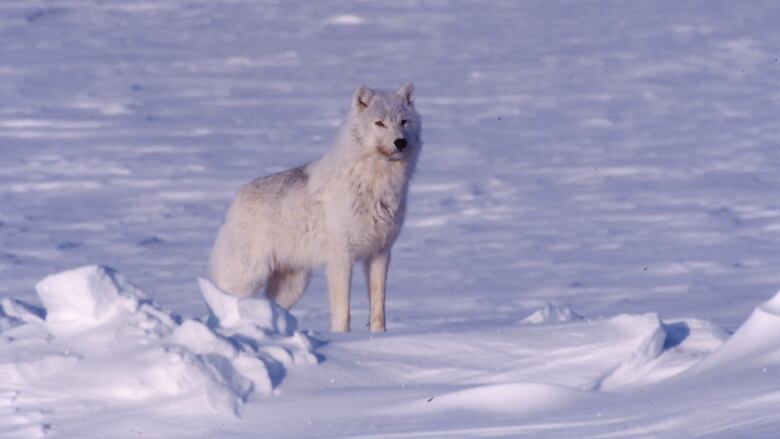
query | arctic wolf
[345, 207]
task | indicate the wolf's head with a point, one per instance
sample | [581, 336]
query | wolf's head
[386, 122]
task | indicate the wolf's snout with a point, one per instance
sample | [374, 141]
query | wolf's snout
[400, 144]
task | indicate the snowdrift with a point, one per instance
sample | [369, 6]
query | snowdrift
[754, 345]
[98, 341]
[99, 337]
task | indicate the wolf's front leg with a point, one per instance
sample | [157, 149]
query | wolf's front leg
[376, 276]
[339, 274]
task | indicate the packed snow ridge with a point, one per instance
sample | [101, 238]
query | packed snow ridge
[552, 313]
[99, 336]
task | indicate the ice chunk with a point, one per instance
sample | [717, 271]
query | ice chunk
[86, 295]
[226, 388]
[268, 315]
[102, 339]
[198, 338]
[255, 370]
[7, 321]
[23, 312]
[228, 311]
[552, 313]
[223, 308]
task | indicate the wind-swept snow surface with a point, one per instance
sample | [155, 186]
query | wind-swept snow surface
[594, 217]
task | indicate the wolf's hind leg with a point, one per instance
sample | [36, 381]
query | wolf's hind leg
[231, 271]
[286, 286]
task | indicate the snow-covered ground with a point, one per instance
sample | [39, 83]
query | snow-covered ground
[592, 230]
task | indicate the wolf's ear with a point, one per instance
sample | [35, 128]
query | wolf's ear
[362, 97]
[407, 92]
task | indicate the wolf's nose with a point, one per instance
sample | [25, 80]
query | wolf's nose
[400, 144]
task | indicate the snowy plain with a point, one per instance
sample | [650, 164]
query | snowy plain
[591, 250]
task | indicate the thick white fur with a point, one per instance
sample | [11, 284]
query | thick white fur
[348, 206]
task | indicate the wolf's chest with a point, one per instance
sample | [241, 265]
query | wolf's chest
[372, 210]
[374, 219]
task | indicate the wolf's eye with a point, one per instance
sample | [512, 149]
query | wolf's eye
[379, 123]
[404, 122]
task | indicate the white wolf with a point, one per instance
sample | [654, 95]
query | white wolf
[348, 206]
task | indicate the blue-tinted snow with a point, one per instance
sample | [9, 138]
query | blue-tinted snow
[612, 157]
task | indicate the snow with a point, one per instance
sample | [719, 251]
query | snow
[590, 244]
[231, 312]
[752, 342]
[552, 313]
[517, 398]
[87, 295]
[105, 342]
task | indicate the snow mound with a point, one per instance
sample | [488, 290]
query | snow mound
[552, 313]
[86, 296]
[101, 338]
[755, 344]
[649, 344]
[232, 312]
[660, 350]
